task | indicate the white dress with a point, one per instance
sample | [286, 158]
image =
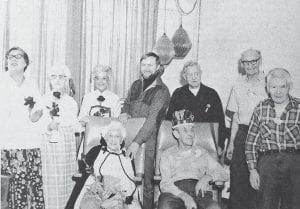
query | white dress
[112, 169]
[59, 151]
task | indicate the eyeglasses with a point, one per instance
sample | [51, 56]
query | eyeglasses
[250, 62]
[53, 77]
[17, 56]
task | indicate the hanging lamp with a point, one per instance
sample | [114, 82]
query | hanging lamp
[181, 40]
[164, 46]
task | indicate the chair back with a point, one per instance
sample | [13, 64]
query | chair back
[133, 125]
[206, 136]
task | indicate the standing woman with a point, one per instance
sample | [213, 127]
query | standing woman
[21, 108]
[59, 150]
[101, 96]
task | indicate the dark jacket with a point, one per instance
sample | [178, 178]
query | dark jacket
[206, 106]
[150, 104]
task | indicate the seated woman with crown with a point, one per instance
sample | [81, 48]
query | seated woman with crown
[110, 184]
[186, 169]
[100, 102]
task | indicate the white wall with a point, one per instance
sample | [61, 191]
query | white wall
[227, 28]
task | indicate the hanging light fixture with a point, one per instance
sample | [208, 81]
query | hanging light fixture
[164, 46]
[181, 40]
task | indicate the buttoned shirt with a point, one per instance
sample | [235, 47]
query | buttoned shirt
[245, 96]
[111, 101]
[269, 132]
[177, 164]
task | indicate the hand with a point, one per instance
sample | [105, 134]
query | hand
[34, 117]
[254, 179]
[111, 203]
[83, 121]
[229, 151]
[132, 150]
[53, 125]
[203, 184]
[123, 117]
[188, 201]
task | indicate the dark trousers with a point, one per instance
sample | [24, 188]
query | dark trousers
[170, 201]
[279, 181]
[242, 195]
[148, 180]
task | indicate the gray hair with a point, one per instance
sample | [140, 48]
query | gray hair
[61, 68]
[188, 65]
[102, 68]
[279, 73]
[114, 125]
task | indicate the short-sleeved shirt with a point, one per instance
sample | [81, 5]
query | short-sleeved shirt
[245, 96]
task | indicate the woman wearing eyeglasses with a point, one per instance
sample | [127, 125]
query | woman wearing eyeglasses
[20, 109]
[101, 101]
[59, 150]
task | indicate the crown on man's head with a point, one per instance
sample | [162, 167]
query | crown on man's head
[182, 117]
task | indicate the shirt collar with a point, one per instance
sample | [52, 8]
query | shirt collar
[292, 103]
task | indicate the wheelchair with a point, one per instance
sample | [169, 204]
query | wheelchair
[206, 136]
[92, 138]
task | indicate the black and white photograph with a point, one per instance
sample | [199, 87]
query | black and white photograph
[150, 104]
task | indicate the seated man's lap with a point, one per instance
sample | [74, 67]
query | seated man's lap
[169, 201]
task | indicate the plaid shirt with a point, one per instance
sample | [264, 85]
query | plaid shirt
[268, 132]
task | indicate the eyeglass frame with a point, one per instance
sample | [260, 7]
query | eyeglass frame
[60, 77]
[17, 56]
[252, 62]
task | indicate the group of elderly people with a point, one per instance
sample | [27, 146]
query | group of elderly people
[39, 148]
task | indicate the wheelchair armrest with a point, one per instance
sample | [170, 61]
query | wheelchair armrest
[217, 185]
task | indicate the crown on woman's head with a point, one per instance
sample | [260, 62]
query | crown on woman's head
[182, 117]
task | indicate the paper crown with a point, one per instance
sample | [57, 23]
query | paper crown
[182, 117]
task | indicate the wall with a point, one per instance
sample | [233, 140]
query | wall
[227, 28]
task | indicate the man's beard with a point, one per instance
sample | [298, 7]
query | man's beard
[148, 81]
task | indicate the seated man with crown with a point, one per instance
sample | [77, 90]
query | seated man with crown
[187, 170]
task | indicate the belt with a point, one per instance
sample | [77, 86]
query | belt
[275, 151]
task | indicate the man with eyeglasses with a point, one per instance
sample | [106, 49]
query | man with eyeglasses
[246, 93]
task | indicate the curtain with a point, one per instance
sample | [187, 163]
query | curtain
[40, 28]
[116, 33]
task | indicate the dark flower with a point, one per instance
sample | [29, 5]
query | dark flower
[57, 94]
[101, 98]
[54, 110]
[29, 101]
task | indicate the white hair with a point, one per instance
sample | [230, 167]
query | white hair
[102, 68]
[279, 73]
[114, 125]
[188, 65]
[60, 68]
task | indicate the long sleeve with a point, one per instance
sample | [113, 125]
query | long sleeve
[251, 145]
[167, 184]
[156, 112]
[173, 106]
[216, 170]
[220, 117]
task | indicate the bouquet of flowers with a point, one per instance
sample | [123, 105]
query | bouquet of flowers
[29, 101]
[54, 110]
